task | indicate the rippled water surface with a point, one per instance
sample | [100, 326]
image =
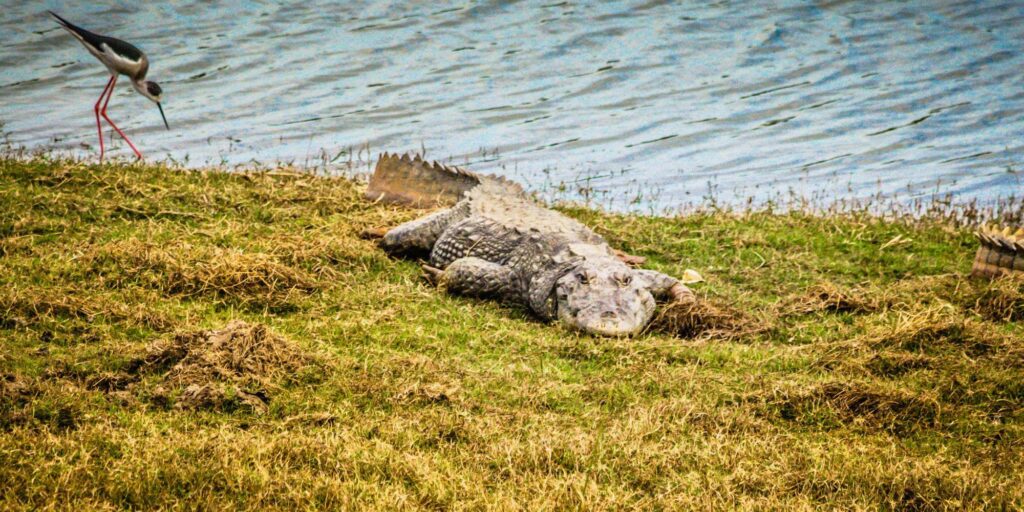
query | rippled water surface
[648, 102]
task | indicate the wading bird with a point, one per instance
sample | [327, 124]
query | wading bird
[120, 58]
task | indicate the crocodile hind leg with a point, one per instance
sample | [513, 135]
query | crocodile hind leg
[418, 236]
[664, 286]
[475, 277]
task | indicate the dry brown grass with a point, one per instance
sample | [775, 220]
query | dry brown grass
[858, 404]
[706, 318]
[828, 297]
[915, 328]
[895, 363]
[254, 280]
[1001, 299]
[28, 305]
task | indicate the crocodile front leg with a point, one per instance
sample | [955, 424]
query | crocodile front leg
[665, 287]
[476, 277]
[419, 235]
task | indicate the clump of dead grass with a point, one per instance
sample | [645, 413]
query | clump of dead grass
[856, 403]
[12, 387]
[428, 393]
[254, 280]
[25, 306]
[220, 397]
[326, 253]
[706, 317]
[828, 297]
[920, 329]
[223, 369]
[31, 402]
[893, 364]
[1001, 299]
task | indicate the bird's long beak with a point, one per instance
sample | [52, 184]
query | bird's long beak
[161, 107]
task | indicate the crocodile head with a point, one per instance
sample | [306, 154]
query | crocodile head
[603, 298]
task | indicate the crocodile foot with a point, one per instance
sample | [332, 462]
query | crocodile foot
[680, 293]
[373, 233]
[432, 274]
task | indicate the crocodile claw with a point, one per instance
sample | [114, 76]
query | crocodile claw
[432, 274]
[373, 233]
[681, 294]
[629, 259]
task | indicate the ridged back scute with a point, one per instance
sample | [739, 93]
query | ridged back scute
[1001, 252]
[413, 181]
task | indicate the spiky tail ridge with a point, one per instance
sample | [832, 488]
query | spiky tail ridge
[413, 181]
[1001, 252]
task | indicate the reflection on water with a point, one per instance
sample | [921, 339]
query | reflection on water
[652, 100]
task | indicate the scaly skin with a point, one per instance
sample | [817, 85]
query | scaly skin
[1001, 252]
[495, 242]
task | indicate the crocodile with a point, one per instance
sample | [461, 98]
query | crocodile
[1001, 252]
[492, 240]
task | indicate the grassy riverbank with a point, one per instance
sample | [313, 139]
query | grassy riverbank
[843, 361]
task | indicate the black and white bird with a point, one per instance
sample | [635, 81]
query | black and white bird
[120, 58]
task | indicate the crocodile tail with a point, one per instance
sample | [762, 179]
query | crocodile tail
[1001, 252]
[413, 181]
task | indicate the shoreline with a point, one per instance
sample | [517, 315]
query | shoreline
[938, 206]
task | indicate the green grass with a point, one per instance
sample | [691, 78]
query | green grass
[852, 364]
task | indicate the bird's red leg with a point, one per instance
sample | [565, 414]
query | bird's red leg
[99, 129]
[103, 112]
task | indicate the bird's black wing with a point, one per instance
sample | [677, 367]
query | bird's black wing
[97, 41]
[123, 48]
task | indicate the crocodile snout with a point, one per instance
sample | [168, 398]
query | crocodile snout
[601, 297]
[613, 314]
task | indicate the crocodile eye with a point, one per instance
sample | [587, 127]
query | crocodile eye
[625, 280]
[583, 278]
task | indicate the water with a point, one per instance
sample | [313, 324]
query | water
[647, 104]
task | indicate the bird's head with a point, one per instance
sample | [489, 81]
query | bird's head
[152, 91]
